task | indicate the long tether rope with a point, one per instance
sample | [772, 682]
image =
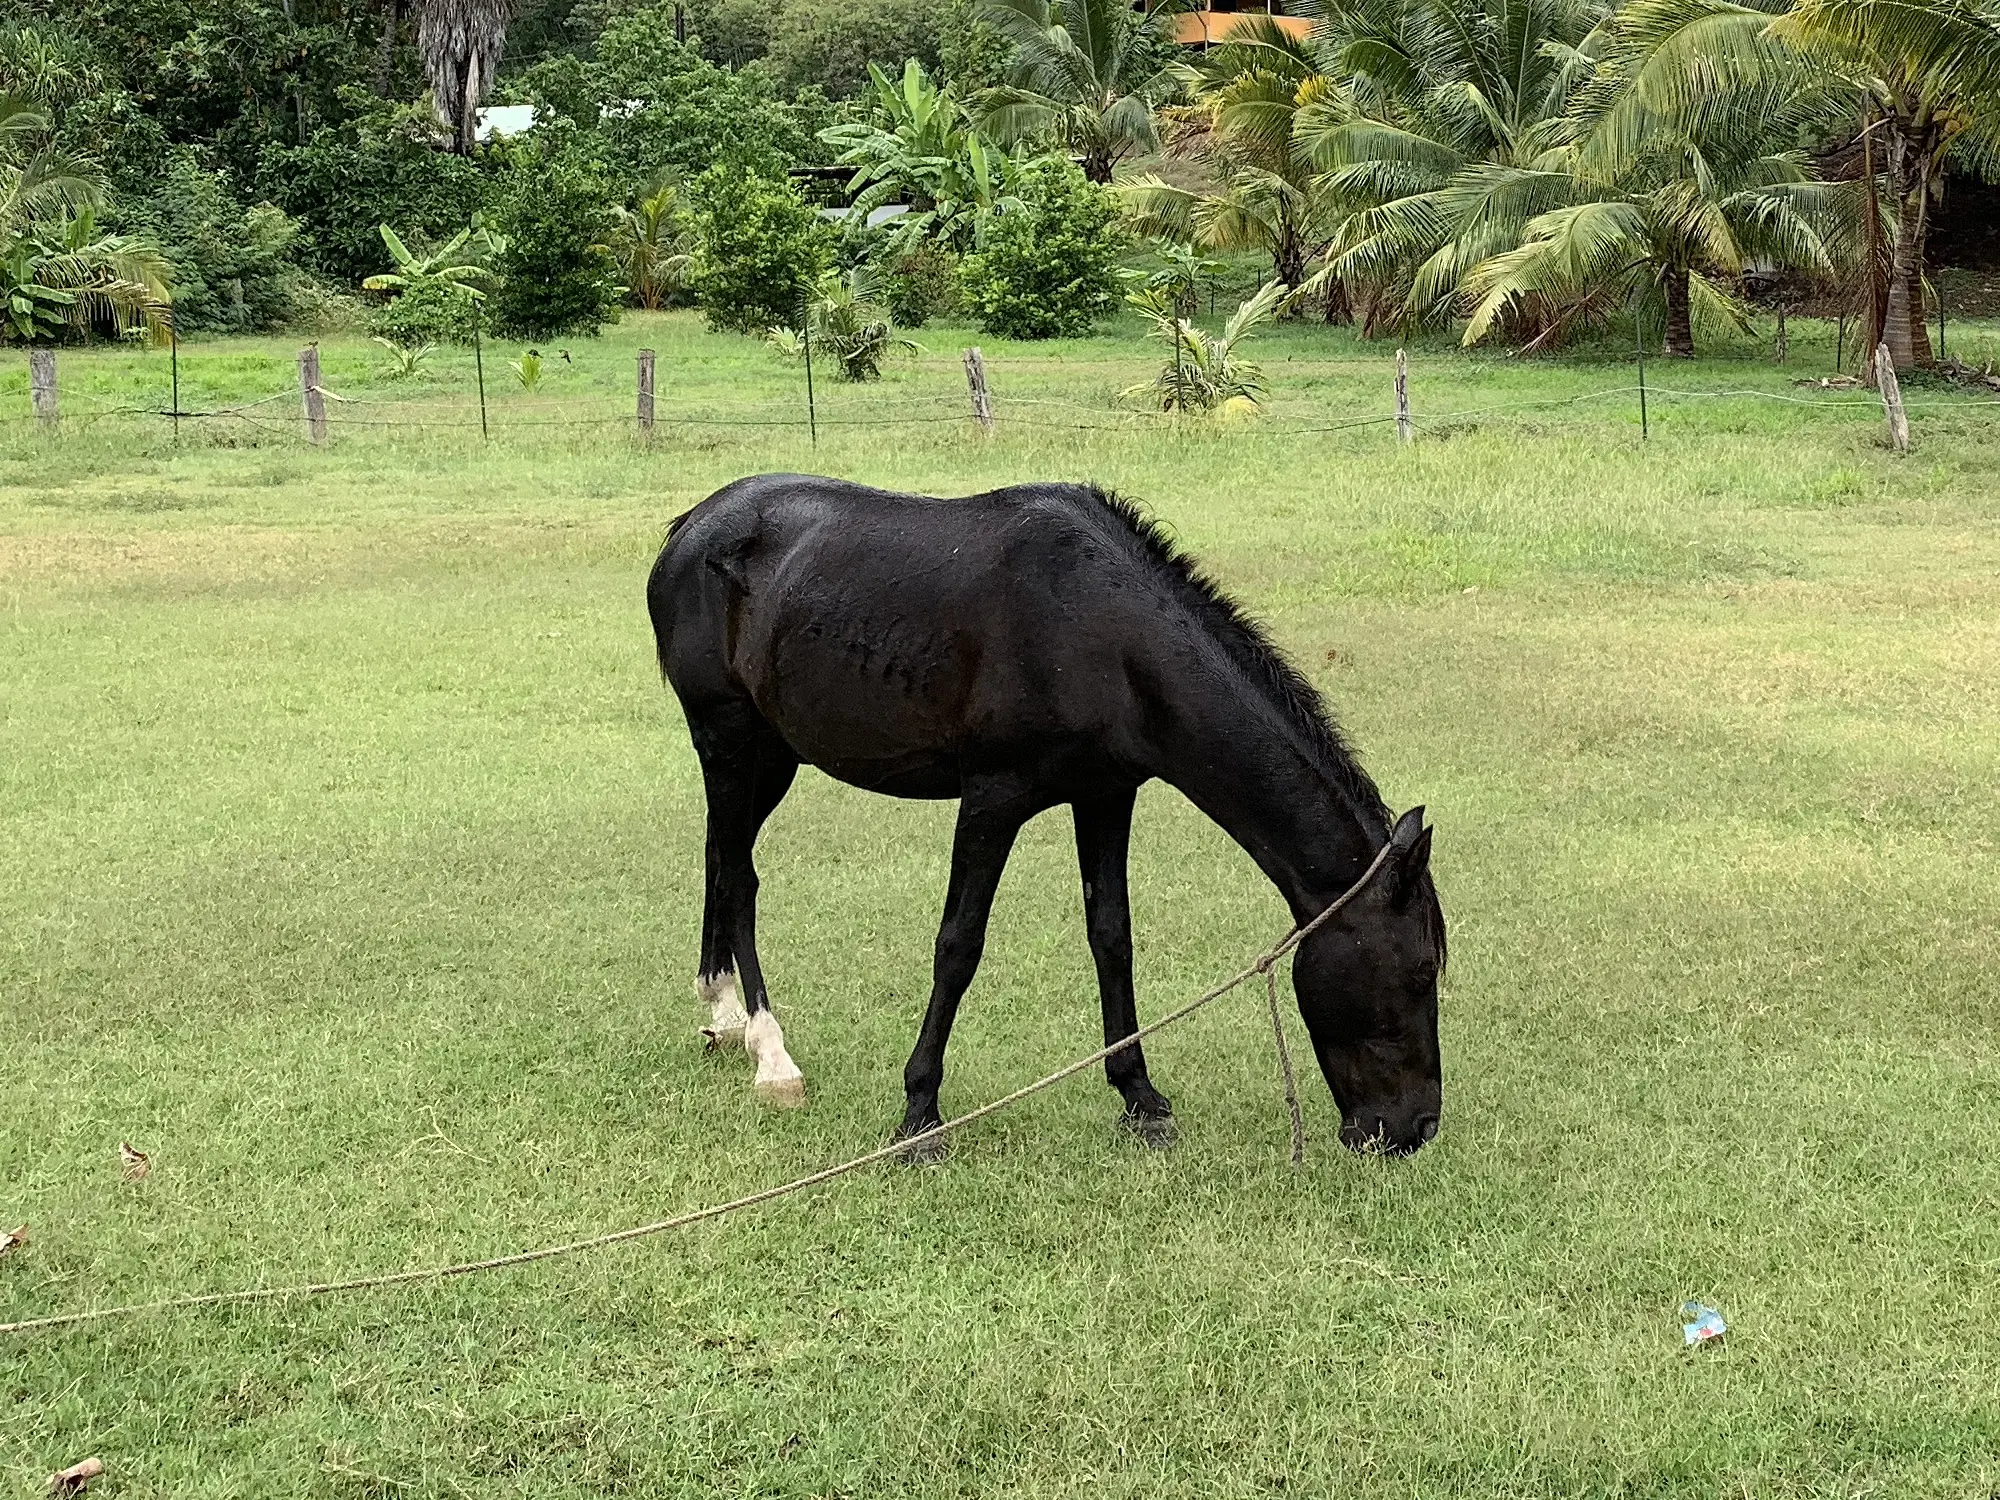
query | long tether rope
[1265, 965]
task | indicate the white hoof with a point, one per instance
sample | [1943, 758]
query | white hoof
[781, 1093]
[778, 1080]
[726, 1016]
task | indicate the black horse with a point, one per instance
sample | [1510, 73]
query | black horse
[1015, 650]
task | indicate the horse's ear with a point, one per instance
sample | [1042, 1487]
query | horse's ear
[1412, 843]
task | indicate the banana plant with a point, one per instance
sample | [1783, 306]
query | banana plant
[920, 149]
[442, 266]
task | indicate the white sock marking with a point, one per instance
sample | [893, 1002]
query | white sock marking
[778, 1078]
[724, 1000]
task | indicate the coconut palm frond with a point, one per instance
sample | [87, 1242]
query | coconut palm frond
[1566, 255]
[1090, 71]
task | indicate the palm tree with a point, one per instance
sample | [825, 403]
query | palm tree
[1659, 210]
[1242, 130]
[652, 244]
[1668, 227]
[460, 43]
[846, 318]
[1207, 373]
[1089, 72]
[1924, 73]
[58, 271]
[1449, 136]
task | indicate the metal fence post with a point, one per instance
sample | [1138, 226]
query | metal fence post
[646, 392]
[1639, 345]
[1405, 430]
[806, 334]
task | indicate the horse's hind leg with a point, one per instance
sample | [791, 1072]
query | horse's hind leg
[1103, 837]
[746, 769]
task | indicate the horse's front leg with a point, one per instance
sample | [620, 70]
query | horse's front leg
[1103, 837]
[988, 820]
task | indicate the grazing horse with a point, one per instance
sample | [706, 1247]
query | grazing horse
[1027, 647]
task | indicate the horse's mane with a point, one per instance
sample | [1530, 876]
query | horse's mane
[1267, 667]
[1251, 648]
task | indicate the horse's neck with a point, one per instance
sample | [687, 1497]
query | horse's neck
[1258, 781]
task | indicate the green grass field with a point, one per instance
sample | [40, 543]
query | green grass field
[349, 865]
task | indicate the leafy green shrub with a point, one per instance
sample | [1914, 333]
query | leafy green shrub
[232, 265]
[1048, 268]
[322, 306]
[758, 247]
[430, 313]
[555, 214]
[380, 168]
[920, 284]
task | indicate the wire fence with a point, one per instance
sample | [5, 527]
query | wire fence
[315, 412]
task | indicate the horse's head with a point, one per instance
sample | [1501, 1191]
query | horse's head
[1367, 986]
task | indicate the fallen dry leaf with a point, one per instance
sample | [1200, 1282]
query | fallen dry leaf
[137, 1163]
[72, 1480]
[13, 1239]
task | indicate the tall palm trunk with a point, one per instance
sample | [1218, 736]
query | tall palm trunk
[1905, 328]
[460, 42]
[1339, 304]
[1288, 255]
[1680, 314]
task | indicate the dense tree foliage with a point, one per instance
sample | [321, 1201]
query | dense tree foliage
[1517, 170]
[232, 265]
[554, 216]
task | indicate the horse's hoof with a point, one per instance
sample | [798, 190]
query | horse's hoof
[1156, 1131]
[781, 1093]
[722, 1038]
[927, 1148]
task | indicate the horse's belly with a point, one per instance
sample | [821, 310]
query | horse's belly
[873, 713]
[930, 779]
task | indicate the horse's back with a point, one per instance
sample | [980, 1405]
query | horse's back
[887, 636]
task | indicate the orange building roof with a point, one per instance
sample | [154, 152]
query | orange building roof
[1192, 28]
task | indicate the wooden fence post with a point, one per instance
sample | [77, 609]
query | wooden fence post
[42, 384]
[975, 381]
[1405, 430]
[1892, 399]
[315, 398]
[646, 392]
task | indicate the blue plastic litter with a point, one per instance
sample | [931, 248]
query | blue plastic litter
[1704, 1323]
